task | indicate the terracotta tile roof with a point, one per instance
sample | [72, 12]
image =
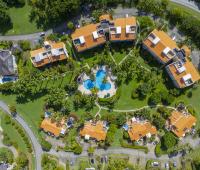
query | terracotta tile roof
[158, 47]
[105, 17]
[180, 123]
[94, 130]
[48, 126]
[92, 35]
[138, 130]
[50, 57]
[123, 24]
[87, 33]
[188, 69]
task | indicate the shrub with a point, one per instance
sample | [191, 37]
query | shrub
[154, 99]
[78, 149]
[46, 146]
[168, 141]
[132, 146]
[25, 45]
[7, 119]
[6, 155]
[70, 25]
[111, 100]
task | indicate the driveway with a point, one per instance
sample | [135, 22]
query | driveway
[36, 145]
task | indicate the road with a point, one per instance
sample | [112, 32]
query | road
[119, 12]
[189, 4]
[36, 145]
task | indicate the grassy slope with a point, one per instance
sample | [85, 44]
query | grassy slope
[186, 9]
[14, 136]
[21, 22]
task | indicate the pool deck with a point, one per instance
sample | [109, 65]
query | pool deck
[101, 93]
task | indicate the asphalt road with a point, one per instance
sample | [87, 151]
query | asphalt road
[36, 145]
[189, 4]
[36, 36]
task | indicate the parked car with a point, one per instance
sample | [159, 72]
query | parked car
[174, 164]
[92, 161]
[42, 34]
[155, 163]
[102, 159]
[167, 165]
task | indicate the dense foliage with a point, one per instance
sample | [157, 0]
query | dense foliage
[48, 13]
[6, 155]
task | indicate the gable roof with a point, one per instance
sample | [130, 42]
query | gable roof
[52, 127]
[164, 42]
[7, 63]
[189, 69]
[138, 130]
[49, 56]
[123, 22]
[94, 130]
[87, 33]
[181, 122]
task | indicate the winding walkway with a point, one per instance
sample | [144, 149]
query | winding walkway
[36, 145]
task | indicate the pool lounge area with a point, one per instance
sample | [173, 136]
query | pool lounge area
[103, 82]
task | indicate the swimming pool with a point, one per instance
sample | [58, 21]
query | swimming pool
[98, 83]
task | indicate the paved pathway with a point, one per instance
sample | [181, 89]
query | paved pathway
[36, 145]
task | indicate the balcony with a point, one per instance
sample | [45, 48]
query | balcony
[153, 38]
[115, 30]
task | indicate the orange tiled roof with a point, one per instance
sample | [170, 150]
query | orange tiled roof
[48, 126]
[51, 58]
[178, 76]
[87, 33]
[164, 42]
[181, 122]
[123, 22]
[107, 17]
[94, 130]
[138, 130]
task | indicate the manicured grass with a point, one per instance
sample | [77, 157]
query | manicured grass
[21, 21]
[118, 136]
[125, 101]
[15, 137]
[185, 9]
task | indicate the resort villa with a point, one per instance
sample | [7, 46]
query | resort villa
[92, 35]
[8, 67]
[94, 130]
[54, 128]
[49, 53]
[177, 62]
[138, 129]
[180, 123]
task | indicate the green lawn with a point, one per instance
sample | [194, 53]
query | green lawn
[185, 9]
[21, 22]
[14, 136]
[118, 136]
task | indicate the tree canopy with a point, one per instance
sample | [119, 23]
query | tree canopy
[48, 12]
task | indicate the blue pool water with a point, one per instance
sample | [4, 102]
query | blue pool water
[6, 79]
[98, 83]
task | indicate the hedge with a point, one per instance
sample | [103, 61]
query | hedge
[132, 146]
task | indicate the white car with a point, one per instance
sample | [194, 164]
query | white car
[167, 165]
[155, 163]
